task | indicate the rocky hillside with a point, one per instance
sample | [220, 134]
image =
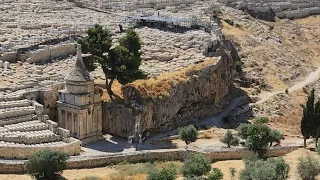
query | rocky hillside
[275, 54]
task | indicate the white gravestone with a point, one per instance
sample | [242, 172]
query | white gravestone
[6, 65]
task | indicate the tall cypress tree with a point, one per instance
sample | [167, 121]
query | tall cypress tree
[308, 119]
[316, 120]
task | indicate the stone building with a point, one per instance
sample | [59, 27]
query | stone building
[79, 104]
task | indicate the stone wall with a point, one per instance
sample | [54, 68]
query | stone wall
[49, 97]
[78, 162]
[21, 152]
[47, 53]
[174, 99]
[117, 120]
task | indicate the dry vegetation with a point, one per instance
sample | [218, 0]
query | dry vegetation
[139, 171]
[284, 111]
[156, 86]
[277, 53]
[162, 84]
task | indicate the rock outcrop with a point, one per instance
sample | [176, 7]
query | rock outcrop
[269, 9]
[176, 98]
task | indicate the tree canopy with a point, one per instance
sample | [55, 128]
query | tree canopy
[258, 135]
[188, 134]
[230, 139]
[46, 164]
[119, 62]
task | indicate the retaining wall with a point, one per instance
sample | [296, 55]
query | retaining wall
[21, 152]
[51, 52]
[78, 162]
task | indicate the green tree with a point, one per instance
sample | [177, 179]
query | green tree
[271, 169]
[307, 118]
[258, 137]
[46, 164]
[242, 130]
[166, 173]
[196, 165]
[250, 157]
[230, 139]
[316, 121]
[215, 174]
[121, 62]
[308, 168]
[188, 134]
[275, 136]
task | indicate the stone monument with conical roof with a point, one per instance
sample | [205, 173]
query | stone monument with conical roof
[79, 104]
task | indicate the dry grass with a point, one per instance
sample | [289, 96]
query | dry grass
[157, 86]
[292, 53]
[289, 122]
[162, 84]
[277, 83]
[121, 171]
[206, 135]
[116, 88]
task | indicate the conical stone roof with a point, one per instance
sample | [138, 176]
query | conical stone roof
[79, 73]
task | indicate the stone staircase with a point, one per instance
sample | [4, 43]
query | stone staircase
[22, 123]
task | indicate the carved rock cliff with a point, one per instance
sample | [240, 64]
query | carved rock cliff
[176, 98]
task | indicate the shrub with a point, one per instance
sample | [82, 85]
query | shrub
[308, 167]
[233, 172]
[230, 139]
[242, 130]
[271, 169]
[188, 134]
[46, 164]
[261, 120]
[194, 178]
[215, 174]
[275, 136]
[195, 165]
[166, 173]
[250, 157]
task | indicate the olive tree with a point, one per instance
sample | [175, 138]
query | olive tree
[230, 139]
[46, 164]
[196, 165]
[188, 134]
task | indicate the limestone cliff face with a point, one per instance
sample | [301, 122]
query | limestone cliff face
[176, 98]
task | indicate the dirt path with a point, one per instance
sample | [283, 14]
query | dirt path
[312, 77]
